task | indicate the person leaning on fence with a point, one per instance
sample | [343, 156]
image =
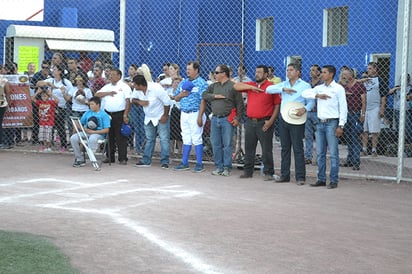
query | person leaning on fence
[46, 106]
[376, 91]
[312, 116]
[356, 100]
[96, 123]
[116, 102]
[262, 111]
[61, 87]
[332, 114]
[291, 133]
[156, 105]
[41, 75]
[408, 107]
[175, 129]
[4, 105]
[227, 108]
[189, 94]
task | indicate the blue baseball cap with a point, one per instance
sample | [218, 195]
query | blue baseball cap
[126, 130]
[188, 85]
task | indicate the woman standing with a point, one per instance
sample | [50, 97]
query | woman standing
[61, 88]
[4, 99]
[134, 111]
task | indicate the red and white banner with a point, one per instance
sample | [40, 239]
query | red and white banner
[19, 112]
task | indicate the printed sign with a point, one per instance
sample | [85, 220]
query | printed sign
[19, 112]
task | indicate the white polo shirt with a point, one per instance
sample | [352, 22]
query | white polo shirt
[116, 102]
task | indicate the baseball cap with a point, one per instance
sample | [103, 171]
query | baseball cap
[188, 85]
[126, 130]
[92, 123]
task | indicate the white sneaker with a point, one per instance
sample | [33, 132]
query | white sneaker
[47, 150]
[226, 172]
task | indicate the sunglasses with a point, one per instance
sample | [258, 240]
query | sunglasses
[217, 72]
[45, 67]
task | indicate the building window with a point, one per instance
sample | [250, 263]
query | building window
[264, 33]
[335, 26]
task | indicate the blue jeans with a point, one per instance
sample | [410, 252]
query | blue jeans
[164, 134]
[326, 138]
[408, 125]
[137, 123]
[310, 127]
[353, 130]
[221, 137]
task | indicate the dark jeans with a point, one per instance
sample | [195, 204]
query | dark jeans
[60, 124]
[353, 130]
[35, 128]
[2, 111]
[116, 139]
[253, 134]
[292, 136]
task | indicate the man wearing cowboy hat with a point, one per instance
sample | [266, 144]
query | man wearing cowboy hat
[293, 110]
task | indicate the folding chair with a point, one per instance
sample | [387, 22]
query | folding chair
[85, 141]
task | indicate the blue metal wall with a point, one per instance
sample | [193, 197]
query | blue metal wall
[159, 31]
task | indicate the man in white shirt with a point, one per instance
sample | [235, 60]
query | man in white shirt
[332, 114]
[116, 102]
[156, 105]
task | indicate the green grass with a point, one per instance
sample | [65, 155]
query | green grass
[25, 253]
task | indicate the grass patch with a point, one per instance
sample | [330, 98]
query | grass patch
[26, 253]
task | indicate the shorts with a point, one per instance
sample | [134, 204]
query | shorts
[45, 133]
[372, 122]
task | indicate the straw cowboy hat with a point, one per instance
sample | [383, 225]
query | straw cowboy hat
[288, 112]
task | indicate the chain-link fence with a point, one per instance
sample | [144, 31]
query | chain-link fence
[137, 36]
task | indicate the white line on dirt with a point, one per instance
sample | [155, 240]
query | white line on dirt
[186, 257]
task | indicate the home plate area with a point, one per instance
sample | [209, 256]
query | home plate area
[105, 199]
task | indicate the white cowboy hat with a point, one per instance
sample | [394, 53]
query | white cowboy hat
[288, 112]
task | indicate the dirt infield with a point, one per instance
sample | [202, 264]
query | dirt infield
[150, 220]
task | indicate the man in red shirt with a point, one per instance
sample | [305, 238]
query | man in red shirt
[262, 111]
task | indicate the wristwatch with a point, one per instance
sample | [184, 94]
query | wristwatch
[341, 127]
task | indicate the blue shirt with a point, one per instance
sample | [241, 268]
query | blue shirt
[192, 101]
[102, 117]
[299, 86]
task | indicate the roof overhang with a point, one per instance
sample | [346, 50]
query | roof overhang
[69, 39]
[74, 45]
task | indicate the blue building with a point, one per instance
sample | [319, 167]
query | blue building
[243, 31]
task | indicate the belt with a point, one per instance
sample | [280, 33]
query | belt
[220, 116]
[260, 119]
[190, 111]
[114, 112]
[328, 120]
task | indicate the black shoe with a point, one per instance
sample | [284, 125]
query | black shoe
[283, 180]
[123, 162]
[347, 164]
[356, 167]
[164, 166]
[318, 183]
[332, 185]
[244, 176]
[300, 182]
[308, 161]
[107, 160]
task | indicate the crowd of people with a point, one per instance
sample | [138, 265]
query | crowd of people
[176, 109]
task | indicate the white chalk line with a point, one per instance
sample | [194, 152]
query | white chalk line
[179, 194]
[183, 255]
[29, 195]
[186, 257]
